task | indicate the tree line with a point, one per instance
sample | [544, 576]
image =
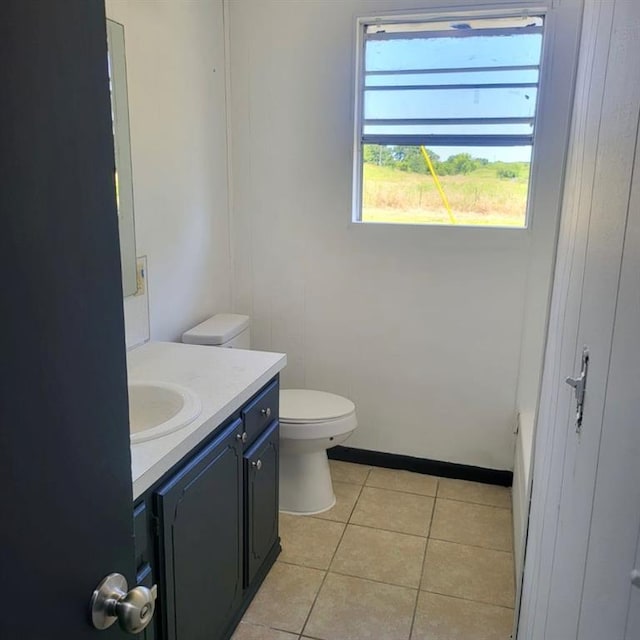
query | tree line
[410, 159]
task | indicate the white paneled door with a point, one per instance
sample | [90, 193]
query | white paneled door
[608, 596]
[585, 518]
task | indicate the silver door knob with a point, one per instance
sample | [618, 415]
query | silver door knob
[112, 600]
[266, 412]
[242, 436]
[257, 464]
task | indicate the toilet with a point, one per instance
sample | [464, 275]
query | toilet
[310, 423]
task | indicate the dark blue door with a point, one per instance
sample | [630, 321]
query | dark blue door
[65, 475]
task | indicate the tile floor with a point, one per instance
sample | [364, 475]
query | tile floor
[402, 556]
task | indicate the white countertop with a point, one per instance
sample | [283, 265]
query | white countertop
[224, 379]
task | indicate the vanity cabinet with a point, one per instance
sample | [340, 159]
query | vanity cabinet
[207, 532]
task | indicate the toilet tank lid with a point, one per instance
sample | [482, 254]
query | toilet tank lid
[217, 330]
[304, 405]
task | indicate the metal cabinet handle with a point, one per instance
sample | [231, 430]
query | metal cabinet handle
[111, 601]
[257, 464]
[266, 412]
[242, 436]
[635, 578]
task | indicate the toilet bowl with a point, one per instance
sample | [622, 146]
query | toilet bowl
[310, 423]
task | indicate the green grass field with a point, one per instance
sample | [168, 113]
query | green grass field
[478, 198]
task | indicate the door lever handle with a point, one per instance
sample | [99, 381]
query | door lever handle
[579, 385]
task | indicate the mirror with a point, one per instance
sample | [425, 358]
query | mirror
[122, 147]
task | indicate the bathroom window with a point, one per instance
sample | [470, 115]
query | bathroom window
[445, 116]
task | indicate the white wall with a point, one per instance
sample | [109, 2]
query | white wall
[421, 326]
[176, 83]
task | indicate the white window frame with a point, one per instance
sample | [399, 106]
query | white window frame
[459, 13]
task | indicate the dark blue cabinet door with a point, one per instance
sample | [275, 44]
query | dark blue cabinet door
[201, 518]
[146, 579]
[261, 482]
[143, 537]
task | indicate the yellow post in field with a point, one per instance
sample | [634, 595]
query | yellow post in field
[447, 206]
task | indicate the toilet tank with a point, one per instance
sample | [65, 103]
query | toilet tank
[222, 330]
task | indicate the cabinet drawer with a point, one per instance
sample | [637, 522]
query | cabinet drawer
[261, 411]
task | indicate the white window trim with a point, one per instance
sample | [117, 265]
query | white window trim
[437, 14]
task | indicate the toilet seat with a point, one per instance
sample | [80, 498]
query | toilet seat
[304, 406]
[312, 415]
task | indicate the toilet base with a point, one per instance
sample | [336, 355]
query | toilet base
[305, 483]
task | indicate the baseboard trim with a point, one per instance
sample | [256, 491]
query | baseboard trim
[500, 477]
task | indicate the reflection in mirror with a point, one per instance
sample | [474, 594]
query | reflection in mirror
[123, 173]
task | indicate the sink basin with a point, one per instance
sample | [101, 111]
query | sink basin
[159, 408]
